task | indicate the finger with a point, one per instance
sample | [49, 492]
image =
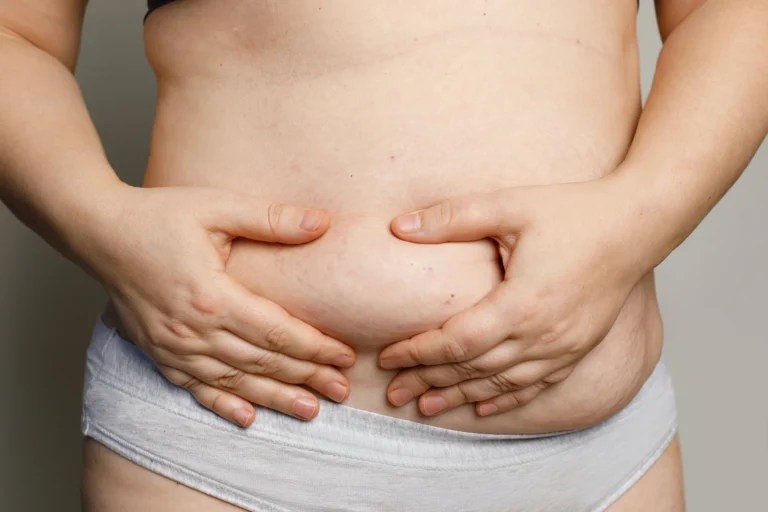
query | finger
[463, 337]
[511, 400]
[250, 217]
[417, 380]
[464, 218]
[265, 391]
[227, 405]
[251, 359]
[515, 378]
[560, 375]
[265, 324]
[514, 399]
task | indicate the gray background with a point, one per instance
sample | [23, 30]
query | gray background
[712, 291]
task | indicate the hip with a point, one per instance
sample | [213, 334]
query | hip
[601, 384]
[129, 407]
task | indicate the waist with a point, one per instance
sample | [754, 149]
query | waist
[370, 141]
[347, 155]
[359, 283]
[395, 120]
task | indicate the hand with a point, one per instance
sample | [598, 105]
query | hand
[162, 258]
[570, 263]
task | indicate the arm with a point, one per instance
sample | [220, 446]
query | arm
[705, 117]
[161, 253]
[565, 285]
[54, 174]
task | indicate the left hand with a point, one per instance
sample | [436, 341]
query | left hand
[570, 262]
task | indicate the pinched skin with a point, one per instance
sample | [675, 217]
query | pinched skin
[371, 110]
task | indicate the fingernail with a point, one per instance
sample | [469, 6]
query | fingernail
[311, 220]
[400, 397]
[304, 408]
[409, 223]
[336, 391]
[486, 409]
[242, 416]
[434, 405]
[345, 360]
[387, 363]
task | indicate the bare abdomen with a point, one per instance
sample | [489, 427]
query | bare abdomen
[370, 124]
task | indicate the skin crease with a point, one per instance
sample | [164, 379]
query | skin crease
[295, 134]
[298, 151]
[276, 102]
[273, 101]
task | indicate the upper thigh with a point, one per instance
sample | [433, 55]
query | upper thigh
[112, 483]
[660, 489]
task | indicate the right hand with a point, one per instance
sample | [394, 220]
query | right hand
[162, 254]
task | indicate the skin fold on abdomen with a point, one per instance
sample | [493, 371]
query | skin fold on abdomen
[361, 285]
[307, 108]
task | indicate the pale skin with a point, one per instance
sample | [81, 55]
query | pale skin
[559, 314]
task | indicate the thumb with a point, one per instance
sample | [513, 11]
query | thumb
[255, 219]
[462, 219]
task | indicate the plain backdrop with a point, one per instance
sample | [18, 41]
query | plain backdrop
[713, 293]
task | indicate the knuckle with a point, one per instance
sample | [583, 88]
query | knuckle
[314, 347]
[481, 328]
[513, 400]
[495, 361]
[177, 337]
[526, 311]
[412, 350]
[231, 379]
[267, 363]
[190, 383]
[178, 328]
[525, 375]
[161, 357]
[215, 403]
[465, 390]
[559, 376]
[466, 369]
[312, 376]
[502, 383]
[473, 210]
[205, 299]
[204, 371]
[446, 214]
[571, 346]
[165, 344]
[455, 351]
[176, 346]
[274, 213]
[276, 338]
[552, 334]
[155, 335]
[423, 379]
[172, 375]
[556, 331]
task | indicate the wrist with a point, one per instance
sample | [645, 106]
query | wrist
[650, 212]
[84, 223]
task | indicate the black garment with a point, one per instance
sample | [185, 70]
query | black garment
[154, 4]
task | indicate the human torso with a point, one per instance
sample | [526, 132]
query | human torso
[372, 109]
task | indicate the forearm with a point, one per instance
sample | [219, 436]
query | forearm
[54, 175]
[705, 117]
